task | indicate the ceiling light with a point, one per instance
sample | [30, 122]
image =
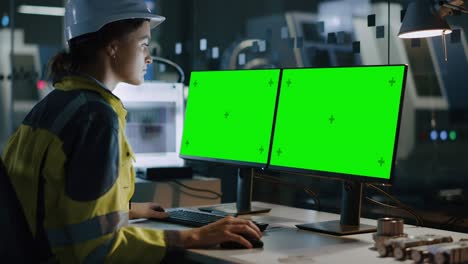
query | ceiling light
[41, 10]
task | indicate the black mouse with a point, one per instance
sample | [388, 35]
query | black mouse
[256, 243]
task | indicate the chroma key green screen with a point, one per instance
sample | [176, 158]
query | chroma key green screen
[229, 116]
[341, 121]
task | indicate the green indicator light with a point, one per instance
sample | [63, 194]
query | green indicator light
[453, 135]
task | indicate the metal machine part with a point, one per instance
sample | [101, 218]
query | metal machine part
[390, 226]
[444, 253]
[401, 247]
[387, 228]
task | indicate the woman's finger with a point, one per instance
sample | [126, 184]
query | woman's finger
[244, 230]
[239, 239]
[157, 207]
[157, 215]
[239, 221]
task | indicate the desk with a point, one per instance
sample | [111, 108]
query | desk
[283, 243]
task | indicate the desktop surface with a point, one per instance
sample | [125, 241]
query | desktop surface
[229, 116]
[339, 121]
[283, 243]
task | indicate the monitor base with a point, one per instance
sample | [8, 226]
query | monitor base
[337, 229]
[231, 209]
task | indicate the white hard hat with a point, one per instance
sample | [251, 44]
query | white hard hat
[87, 16]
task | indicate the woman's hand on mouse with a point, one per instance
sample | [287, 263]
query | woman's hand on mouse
[227, 229]
[146, 210]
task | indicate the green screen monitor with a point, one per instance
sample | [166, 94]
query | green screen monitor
[340, 122]
[229, 116]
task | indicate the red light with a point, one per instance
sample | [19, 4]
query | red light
[423, 136]
[41, 84]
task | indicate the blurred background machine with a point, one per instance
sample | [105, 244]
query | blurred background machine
[155, 113]
[19, 87]
[154, 122]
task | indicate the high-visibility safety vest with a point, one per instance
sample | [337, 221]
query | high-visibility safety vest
[71, 151]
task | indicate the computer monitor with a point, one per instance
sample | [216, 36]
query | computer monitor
[343, 123]
[154, 123]
[229, 119]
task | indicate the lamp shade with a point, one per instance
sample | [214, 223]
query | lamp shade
[421, 21]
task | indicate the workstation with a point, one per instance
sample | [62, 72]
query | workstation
[338, 127]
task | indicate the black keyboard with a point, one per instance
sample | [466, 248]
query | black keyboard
[197, 219]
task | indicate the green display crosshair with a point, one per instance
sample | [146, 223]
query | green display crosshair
[392, 82]
[271, 82]
[332, 119]
[289, 82]
[226, 115]
[195, 83]
[261, 149]
[381, 162]
[187, 143]
[279, 152]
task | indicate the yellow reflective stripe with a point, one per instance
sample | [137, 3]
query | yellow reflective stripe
[87, 230]
[68, 112]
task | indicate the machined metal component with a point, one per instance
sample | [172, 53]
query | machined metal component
[454, 253]
[387, 228]
[401, 247]
[390, 226]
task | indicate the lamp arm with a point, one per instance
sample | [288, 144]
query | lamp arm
[447, 7]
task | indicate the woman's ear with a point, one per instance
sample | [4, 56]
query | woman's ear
[112, 49]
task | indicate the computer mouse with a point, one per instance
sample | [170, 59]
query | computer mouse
[256, 243]
[261, 226]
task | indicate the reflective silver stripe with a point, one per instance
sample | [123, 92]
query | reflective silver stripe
[99, 254]
[67, 113]
[87, 230]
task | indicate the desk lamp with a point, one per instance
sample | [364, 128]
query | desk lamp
[422, 20]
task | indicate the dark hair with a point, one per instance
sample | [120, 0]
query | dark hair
[84, 49]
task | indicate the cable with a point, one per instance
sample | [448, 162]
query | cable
[452, 221]
[416, 217]
[400, 204]
[275, 180]
[218, 195]
[215, 197]
[382, 204]
[173, 64]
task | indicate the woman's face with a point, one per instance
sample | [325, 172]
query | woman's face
[132, 55]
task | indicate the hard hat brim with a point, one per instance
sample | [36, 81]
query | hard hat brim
[155, 20]
[83, 28]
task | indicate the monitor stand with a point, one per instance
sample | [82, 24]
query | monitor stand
[243, 203]
[350, 214]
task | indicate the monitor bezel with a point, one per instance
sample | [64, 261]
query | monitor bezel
[237, 162]
[225, 161]
[346, 176]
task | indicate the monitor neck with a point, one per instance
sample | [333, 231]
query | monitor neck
[351, 196]
[244, 189]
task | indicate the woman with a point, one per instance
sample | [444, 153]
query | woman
[70, 162]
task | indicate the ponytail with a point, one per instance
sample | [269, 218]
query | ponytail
[60, 64]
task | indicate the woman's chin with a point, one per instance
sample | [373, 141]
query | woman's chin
[135, 81]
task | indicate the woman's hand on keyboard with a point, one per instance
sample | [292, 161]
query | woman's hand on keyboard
[227, 229]
[146, 210]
